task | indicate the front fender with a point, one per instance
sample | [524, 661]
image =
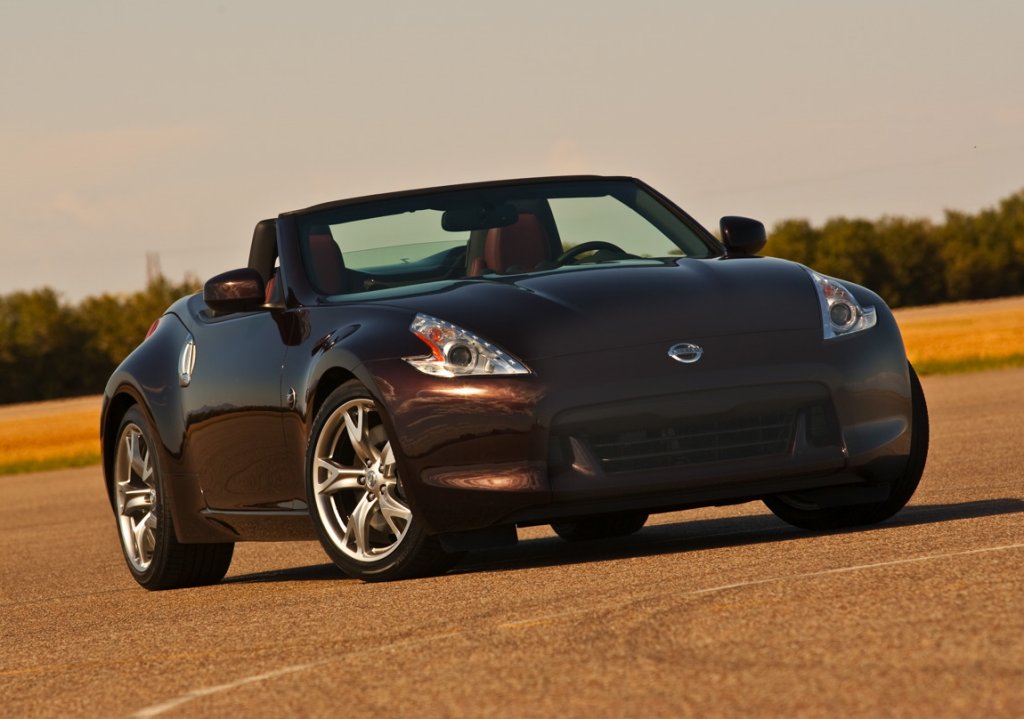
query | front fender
[148, 378]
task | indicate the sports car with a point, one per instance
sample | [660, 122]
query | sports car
[410, 376]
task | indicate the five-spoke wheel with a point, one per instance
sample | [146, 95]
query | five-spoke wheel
[355, 484]
[145, 522]
[357, 501]
[135, 497]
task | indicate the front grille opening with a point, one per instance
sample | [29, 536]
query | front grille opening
[700, 441]
[710, 439]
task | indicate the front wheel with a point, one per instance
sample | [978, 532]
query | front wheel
[605, 526]
[155, 557]
[357, 501]
[791, 509]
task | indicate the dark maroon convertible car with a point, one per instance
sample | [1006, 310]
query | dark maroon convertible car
[410, 376]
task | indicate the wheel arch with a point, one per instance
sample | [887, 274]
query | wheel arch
[147, 379]
[337, 370]
[342, 359]
[115, 410]
[325, 385]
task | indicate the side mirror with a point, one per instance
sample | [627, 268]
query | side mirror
[743, 237]
[234, 291]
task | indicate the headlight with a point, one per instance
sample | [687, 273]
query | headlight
[841, 314]
[455, 352]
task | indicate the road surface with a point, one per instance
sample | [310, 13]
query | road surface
[716, 612]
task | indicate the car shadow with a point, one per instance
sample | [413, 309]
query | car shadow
[652, 540]
[309, 573]
[703, 534]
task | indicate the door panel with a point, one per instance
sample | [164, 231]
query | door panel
[233, 414]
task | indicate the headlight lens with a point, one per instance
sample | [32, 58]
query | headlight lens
[457, 352]
[841, 314]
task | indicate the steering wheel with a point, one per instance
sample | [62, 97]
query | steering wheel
[572, 252]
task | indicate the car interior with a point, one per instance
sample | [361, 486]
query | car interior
[529, 242]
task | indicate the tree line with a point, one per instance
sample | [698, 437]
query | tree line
[915, 261]
[50, 349]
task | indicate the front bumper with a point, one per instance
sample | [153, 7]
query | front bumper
[632, 429]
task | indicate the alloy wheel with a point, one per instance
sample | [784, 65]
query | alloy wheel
[135, 494]
[356, 486]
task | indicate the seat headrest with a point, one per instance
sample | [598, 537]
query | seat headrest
[520, 246]
[327, 268]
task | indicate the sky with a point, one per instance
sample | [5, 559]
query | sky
[129, 128]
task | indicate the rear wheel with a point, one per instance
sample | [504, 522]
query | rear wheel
[604, 526]
[806, 515]
[357, 502]
[155, 557]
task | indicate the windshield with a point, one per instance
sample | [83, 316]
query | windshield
[492, 232]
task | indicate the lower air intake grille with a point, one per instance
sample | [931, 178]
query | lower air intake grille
[691, 442]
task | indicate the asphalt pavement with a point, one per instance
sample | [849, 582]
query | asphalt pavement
[716, 612]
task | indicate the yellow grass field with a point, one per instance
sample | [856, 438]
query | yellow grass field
[965, 336]
[940, 339]
[48, 435]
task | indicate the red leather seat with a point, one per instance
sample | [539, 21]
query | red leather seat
[520, 247]
[327, 268]
[268, 294]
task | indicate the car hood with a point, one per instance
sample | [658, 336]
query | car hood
[604, 307]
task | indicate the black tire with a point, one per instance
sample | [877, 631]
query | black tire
[798, 514]
[156, 559]
[604, 526]
[406, 551]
